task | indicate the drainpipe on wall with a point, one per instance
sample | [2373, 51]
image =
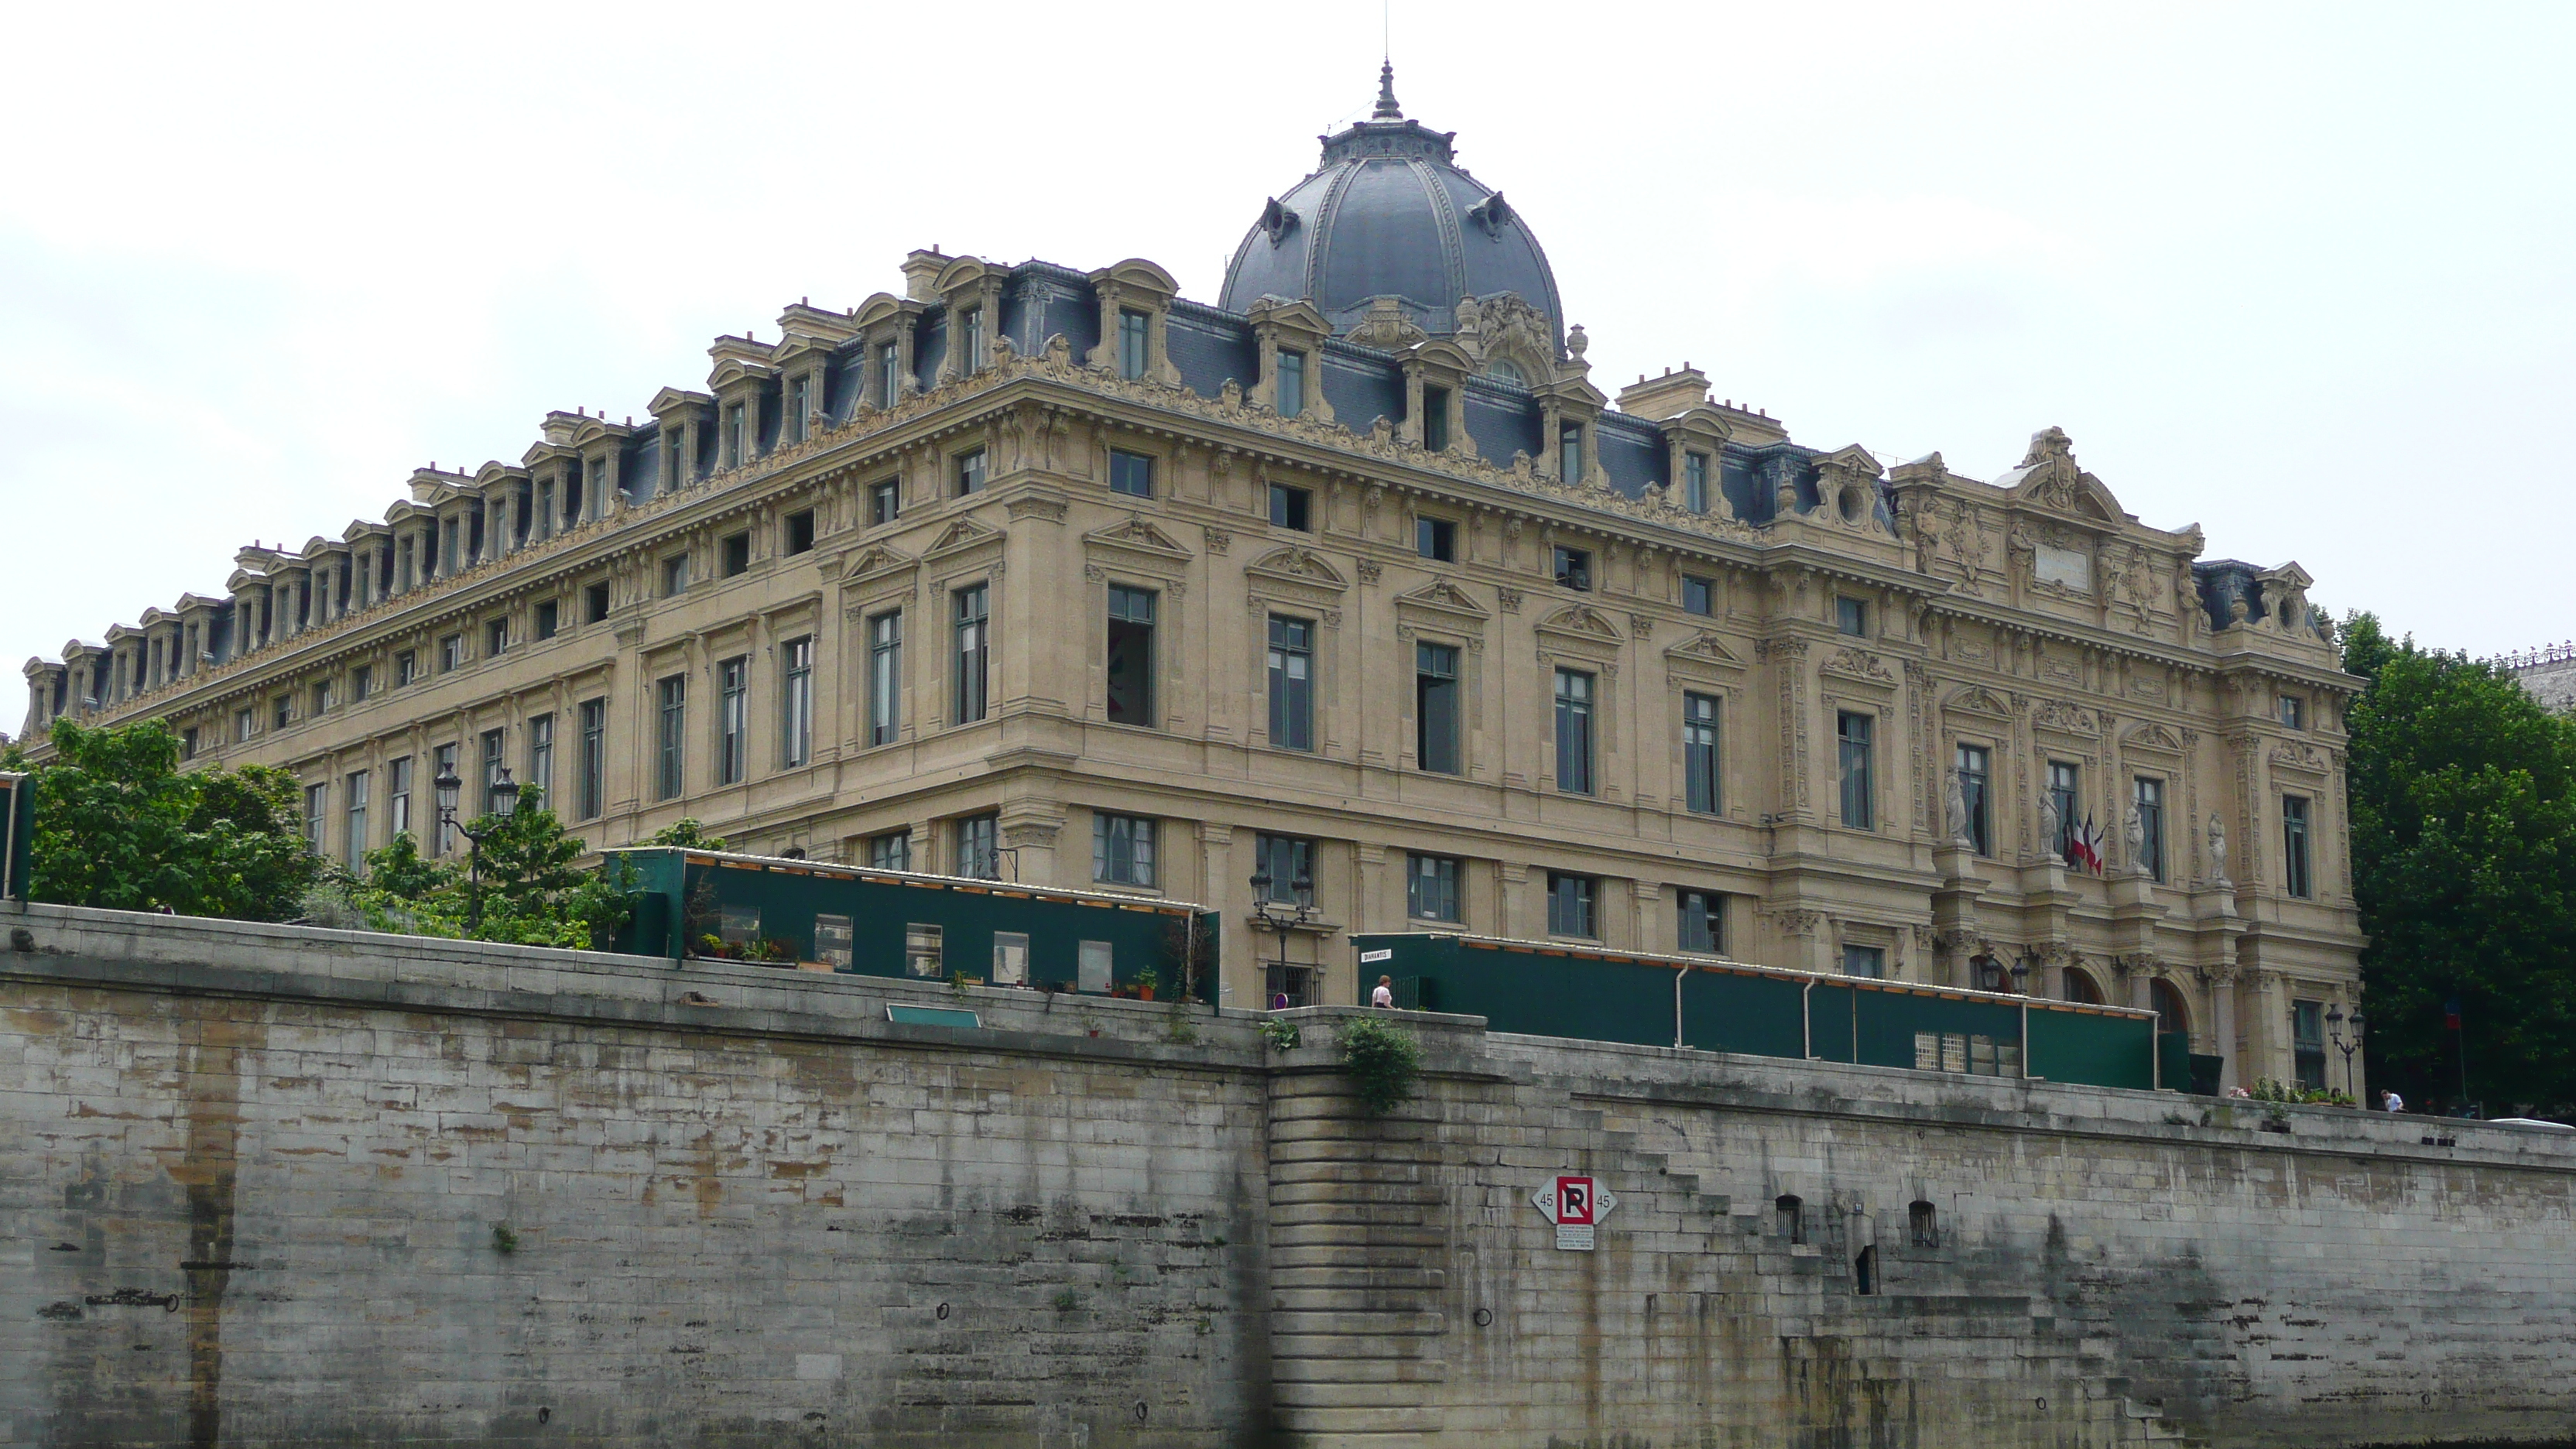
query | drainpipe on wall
[1807, 1016]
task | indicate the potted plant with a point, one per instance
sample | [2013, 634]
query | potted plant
[1146, 981]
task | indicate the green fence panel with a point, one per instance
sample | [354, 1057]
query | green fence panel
[1896, 1028]
[2092, 1048]
[1833, 1022]
[2173, 1059]
[1729, 1011]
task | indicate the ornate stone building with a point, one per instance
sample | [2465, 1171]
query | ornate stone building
[1357, 579]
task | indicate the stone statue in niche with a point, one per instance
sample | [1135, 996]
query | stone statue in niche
[2236, 612]
[2133, 831]
[2218, 851]
[1954, 808]
[2050, 827]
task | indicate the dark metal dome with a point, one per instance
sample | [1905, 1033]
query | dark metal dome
[1388, 215]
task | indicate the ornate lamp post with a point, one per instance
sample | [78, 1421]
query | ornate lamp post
[505, 800]
[1279, 916]
[2334, 1029]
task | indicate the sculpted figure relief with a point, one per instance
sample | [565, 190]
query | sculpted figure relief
[1954, 808]
[2218, 851]
[2049, 825]
[2134, 831]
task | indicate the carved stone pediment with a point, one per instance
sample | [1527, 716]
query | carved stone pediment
[2049, 478]
[1579, 622]
[963, 534]
[1300, 566]
[1137, 535]
[2154, 737]
[2065, 718]
[1857, 663]
[1703, 648]
[875, 561]
[1976, 699]
[2300, 755]
[1445, 600]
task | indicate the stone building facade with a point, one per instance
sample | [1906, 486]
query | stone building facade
[1359, 579]
[2547, 673]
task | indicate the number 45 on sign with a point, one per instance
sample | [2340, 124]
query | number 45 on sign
[1576, 1205]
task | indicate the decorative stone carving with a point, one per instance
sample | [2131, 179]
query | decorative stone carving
[2133, 832]
[1385, 327]
[1954, 808]
[2218, 851]
[2050, 825]
[1859, 664]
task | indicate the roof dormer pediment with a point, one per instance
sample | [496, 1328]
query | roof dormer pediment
[2047, 477]
[886, 307]
[671, 400]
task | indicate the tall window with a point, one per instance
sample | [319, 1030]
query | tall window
[675, 575]
[1131, 342]
[970, 341]
[733, 554]
[1571, 904]
[1122, 849]
[357, 852]
[733, 711]
[1700, 753]
[1287, 859]
[1975, 767]
[979, 842]
[1435, 707]
[891, 851]
[733, 436]
[1290, 507]
[1292, 383]
[1569, 452]
[885, 677]
[885, 501]
[799, 391]
[974, 650]
[1851, 735]
[970, 472]
[549, 621]
[1131, 473]
[1435, 419]
[2063, 793]
[397, 797]
[796, 703]
[2308, 1043]
[1436, 539]
[1851, 616]
[541, 757]
[442, 763]
[2294, 712]
[1292, 683]
[317, 804]
[1131, 656]
[1574, 732]
[889, 375]
[1699, 596]
[796, 532]
[594, 759]
[673, 733]
[1702, 923]
[2294, 846]
[2151, 827]
[1695, 482]
[495, 760]
[1431, 888]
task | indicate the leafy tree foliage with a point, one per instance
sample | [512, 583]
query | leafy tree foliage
[686, 831]
[2464, 862]
[531, 892]
[119, 825]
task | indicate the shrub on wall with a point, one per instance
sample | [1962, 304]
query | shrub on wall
[1382, 1060]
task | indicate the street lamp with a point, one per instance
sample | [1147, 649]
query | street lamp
[2334, 1028]
[1279, 916]
[505, 800]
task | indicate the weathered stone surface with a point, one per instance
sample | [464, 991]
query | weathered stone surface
[266, 1186]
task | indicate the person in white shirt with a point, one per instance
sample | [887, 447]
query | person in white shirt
[1383, 997]
[2391, 1102]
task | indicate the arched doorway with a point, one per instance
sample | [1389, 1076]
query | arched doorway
[2080, 986]
[2172, 1013]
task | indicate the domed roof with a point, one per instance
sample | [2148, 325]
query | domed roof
[1388, 215]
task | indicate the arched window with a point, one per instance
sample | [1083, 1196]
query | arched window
[1865, 1270]
[2171, 1012]
[1793, 1222]
[1502, 370]
[2080, 986]
[1925, 1221]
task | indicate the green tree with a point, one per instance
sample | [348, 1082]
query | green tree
[119, 825]
[2464, 864]
[532, 891]
[686, 831]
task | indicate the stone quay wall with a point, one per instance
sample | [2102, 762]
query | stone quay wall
[265, 1185]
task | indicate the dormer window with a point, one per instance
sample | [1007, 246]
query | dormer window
[1569, 452]
[674, 467]
[799, 396]
[1695, 482]
[1292, 383]
[889, 386]
[1573, 569]
[1435, 419]
[1132, 342]
[733, 436]
[970, 340]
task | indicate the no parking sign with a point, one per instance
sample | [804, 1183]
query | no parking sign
[1576, 1205]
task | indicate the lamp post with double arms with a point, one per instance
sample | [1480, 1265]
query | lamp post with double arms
[505, 800]
[2334, 1030]
[1279, 916]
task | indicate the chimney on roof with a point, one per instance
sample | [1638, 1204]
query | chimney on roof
[1667, 396]
[919, 271]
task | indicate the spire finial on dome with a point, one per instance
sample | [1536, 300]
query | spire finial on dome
[1387, 109]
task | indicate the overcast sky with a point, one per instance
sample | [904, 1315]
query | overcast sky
[2300, 274]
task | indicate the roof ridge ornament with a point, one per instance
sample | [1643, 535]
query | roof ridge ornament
[1387, 109]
